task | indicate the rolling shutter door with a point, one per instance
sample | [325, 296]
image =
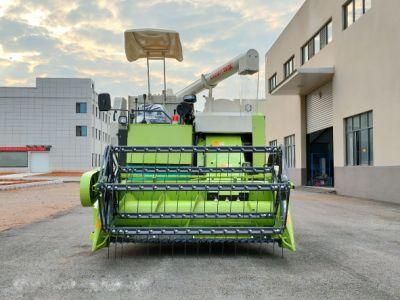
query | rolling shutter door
[319, 107]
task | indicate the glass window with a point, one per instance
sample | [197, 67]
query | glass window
[304, 52]
[310, 49]
[289, 67]
[349, 126]
[364, 120]
[350, 149]
[273, 143]
[367, 5]
[364, 143]
[329, 30]
[81, 107]
[289, 148]
[349, 14]
[81, 130]
[359, 139]
[353, 10]
[356, 122]
[370, 120]
[14, 159]
[272, 82]
[324, 37]
[317, 42]
[358, 9]
[371, 145]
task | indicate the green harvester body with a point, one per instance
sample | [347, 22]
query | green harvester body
[179, 176]
[188, 203]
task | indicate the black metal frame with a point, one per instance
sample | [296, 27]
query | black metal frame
[109, 184]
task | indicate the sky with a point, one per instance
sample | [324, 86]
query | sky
[84, 38]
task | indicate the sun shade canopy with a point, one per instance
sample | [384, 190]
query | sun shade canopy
[151, 43]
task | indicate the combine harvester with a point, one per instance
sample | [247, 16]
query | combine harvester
[178, 176]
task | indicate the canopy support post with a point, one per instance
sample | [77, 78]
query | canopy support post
[165, 81]
[148, 75]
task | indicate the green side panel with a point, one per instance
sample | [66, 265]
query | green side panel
[288, 235]
[86, 192]
[222, 160]
[160, 135]
[258, 124]
[99, 238]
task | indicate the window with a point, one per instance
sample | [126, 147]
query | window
[304, 54]
[317, 42]
[273, 143]
[353, 10]
[272, 83]
[97, 111]
[81, 130]
[289, 145]
[13, 159]
[288, 67]
[329, 30]
[81, 108]
[359, 139]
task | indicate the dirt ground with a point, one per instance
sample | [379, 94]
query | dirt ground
[61, 174]
[17, 181]
[23, 206]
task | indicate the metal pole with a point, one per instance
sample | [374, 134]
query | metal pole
[165, 83]
[136, 108]
[148, 76]
[258, 83]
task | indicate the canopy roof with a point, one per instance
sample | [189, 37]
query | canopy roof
[304, 81]
[152, 43]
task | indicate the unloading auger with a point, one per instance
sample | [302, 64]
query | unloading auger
[187, 177]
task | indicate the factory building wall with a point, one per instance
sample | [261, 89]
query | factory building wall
[364, 58]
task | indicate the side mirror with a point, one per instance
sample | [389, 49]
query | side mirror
[104, 101]
[123, 120]
[190, 99]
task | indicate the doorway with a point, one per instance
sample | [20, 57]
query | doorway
[39, 162]
[320, 170]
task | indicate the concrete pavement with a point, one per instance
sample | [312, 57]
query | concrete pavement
[347, 248]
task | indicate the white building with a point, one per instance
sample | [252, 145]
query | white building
[55, 126]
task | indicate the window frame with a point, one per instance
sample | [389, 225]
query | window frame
[308, 48]
[345, 12]
[274, 78]
[273, 143]
[289, 144]
[290, 63]
[20, 159]
[78, 107]
[79, 132]
[355, 136]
